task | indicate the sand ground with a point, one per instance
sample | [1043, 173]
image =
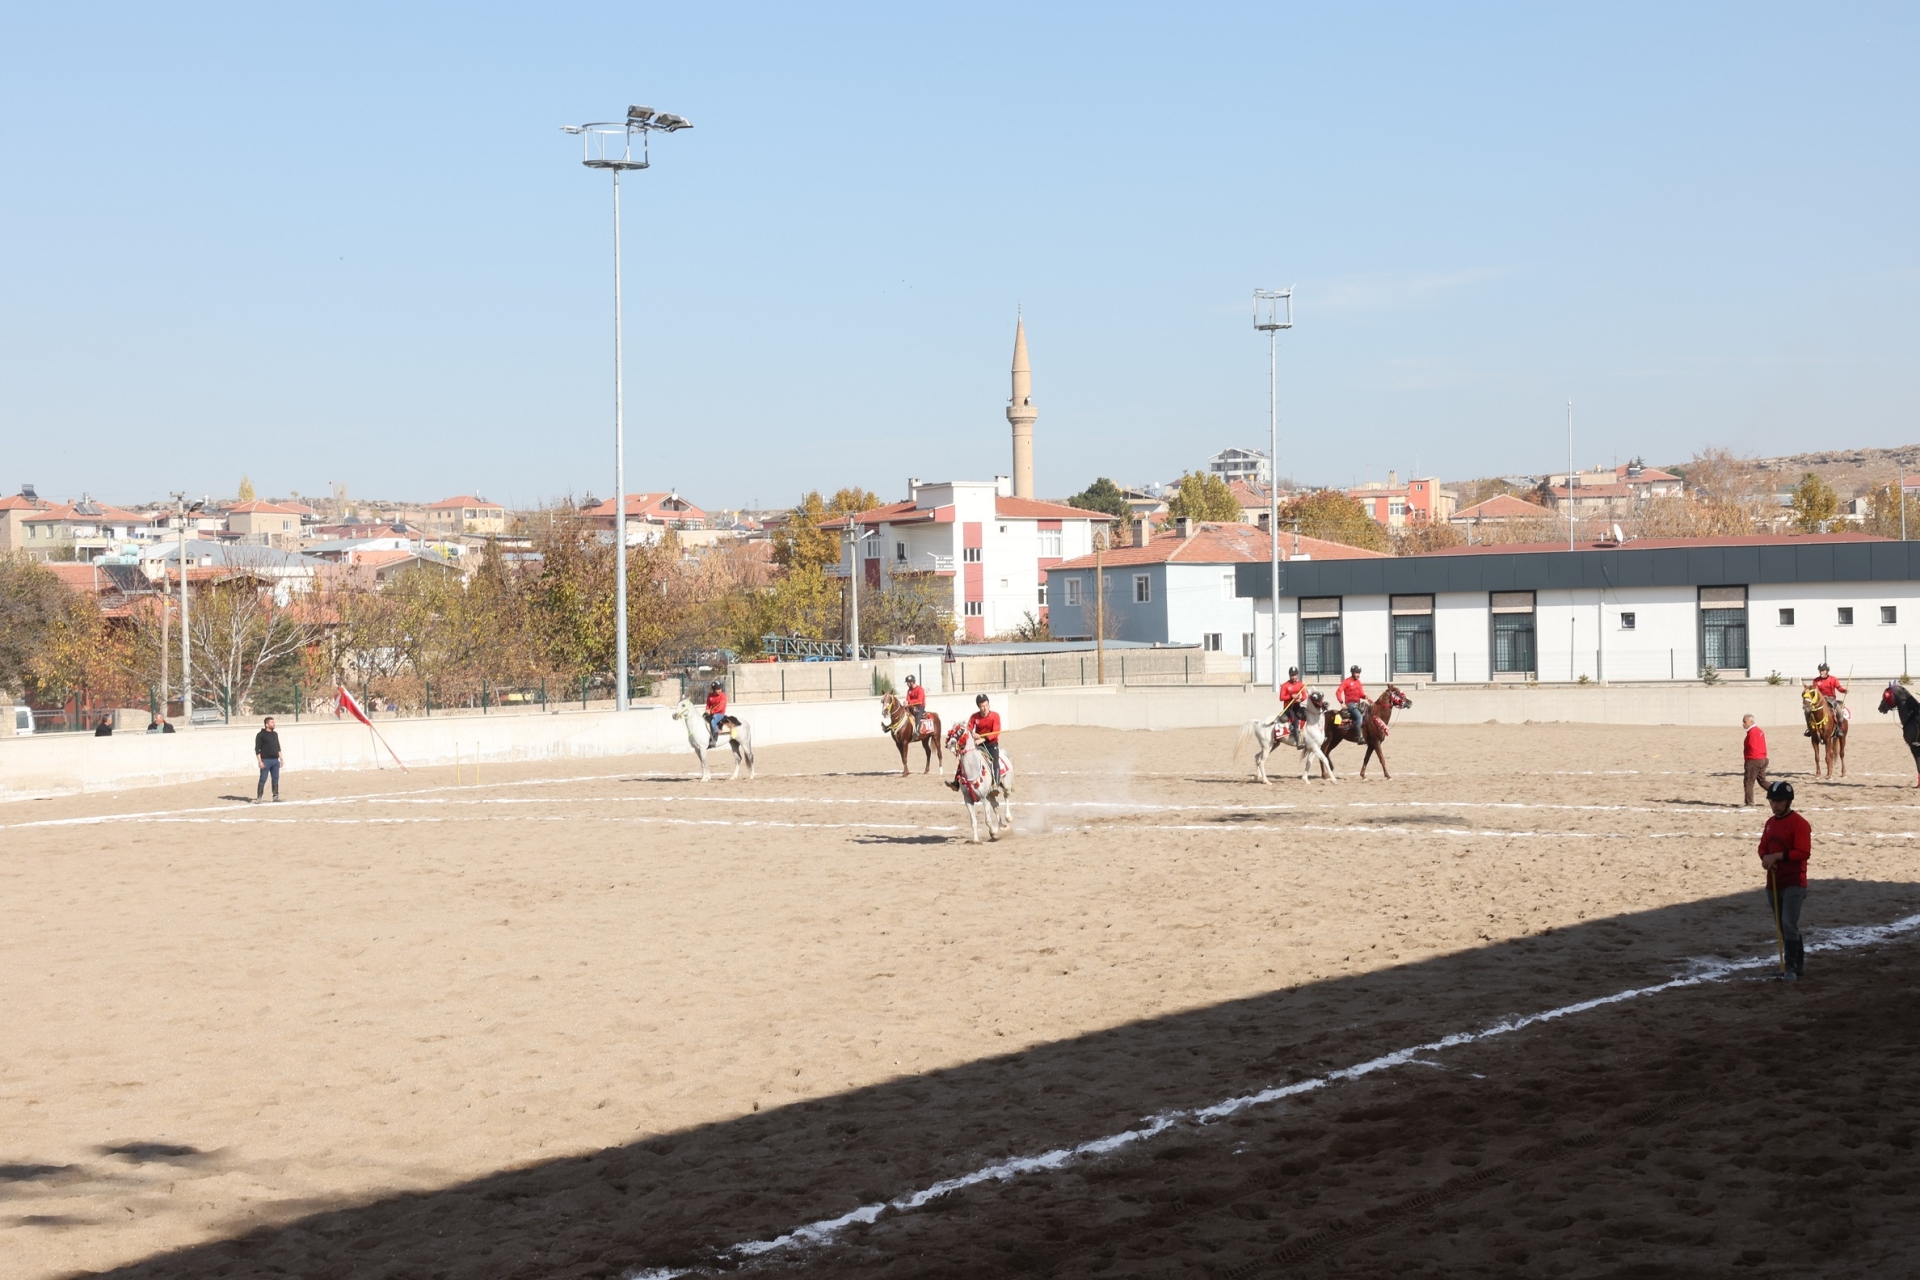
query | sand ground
[576, 1021]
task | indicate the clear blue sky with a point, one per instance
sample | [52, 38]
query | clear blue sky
[348, 242]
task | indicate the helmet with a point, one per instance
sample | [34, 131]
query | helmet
[980, 701]
[1294, 672]
[715, 686]
[911, 680]
[1354, 670]
[1781, 791]
[1825, 667]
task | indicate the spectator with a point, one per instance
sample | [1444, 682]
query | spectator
[266, 754]
[105, 728]
[159, 725]
[1755, 753]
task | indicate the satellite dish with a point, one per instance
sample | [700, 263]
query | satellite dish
[1617, 535]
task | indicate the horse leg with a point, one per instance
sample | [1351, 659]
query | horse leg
[1373, 749]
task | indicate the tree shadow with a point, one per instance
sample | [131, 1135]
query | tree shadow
[683, 1199]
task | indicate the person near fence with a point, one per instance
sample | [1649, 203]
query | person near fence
[159, 725]
[1786, 843]
[105, 728]
[716, 711]
[1753, 753]
[985, 724]
[266, 754]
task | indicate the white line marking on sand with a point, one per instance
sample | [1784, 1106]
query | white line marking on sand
[824, 1230]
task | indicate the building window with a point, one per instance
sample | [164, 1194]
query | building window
[1889, 615]
[1226, 586]
[971, 555]
[1786, 617]
[1142, 589]
[1246, 644]
[1320, 646]
[1071, 589]
[1723, 628]
[1049, 542]
[1846, 617]
[1626, 621]
[1003, 528]
[1043, 597]
[976, 609]
[1513, 633]
[900, 552]
[1210, 642]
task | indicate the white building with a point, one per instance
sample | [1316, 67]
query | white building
[1654, 610]
[1251, 465]
[993, 548]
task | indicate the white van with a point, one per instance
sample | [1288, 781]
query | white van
[22, 721]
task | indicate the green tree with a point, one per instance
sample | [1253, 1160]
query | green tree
[1102, 495]
[1203, 496]
[1814, 504]
[1333, 516]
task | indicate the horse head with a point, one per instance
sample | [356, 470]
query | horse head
[959, 738]
[1890, 698]
[684, 710]
[1397, 699]
[1317, 700]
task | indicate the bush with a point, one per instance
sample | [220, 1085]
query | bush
[882, 682]
[1775, 678]
[1708, 675]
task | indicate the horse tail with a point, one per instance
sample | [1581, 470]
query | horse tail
[1248, 733]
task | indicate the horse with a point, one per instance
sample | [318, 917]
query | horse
[1374, 726]
[1898, 699]
[739, 737]
[896, 721]
[1826, 728]
[1270, 735]
[976, 789]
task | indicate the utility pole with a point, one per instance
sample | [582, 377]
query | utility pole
[1099, 607]
[1569, 474]
[853, 589]
[186, 651]
[1272, 312]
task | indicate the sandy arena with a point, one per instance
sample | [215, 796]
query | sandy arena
[578, 1021]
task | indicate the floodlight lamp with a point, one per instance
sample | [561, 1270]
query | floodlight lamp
[639, 115]
[573, 128]
[671, 123]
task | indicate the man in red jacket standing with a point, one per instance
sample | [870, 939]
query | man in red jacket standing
[1785, 845]
[1754, 753]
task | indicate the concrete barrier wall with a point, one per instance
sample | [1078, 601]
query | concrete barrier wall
[64, 764]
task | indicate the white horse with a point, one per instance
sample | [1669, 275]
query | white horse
[739, 737]
[976, 789]
[1267, 736]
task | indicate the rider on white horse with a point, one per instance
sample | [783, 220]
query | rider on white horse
[1293, 703]
[716, 712]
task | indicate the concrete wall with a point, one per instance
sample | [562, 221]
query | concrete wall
[60, 764]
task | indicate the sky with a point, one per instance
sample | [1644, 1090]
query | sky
[348, 244]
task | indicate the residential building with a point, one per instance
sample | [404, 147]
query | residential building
[1178, 586]
[451, 517]
[1253, 499]
[289, 571]
[13, 512]
[993, 549]
[1501, 509]
[1251, 465]
[1649, 610]
[271, 524]
[1396, 505]
[649, 515]
[374, 570]
[1603, 493]
[86, 530]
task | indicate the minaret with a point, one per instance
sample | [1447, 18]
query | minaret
[1021, 413]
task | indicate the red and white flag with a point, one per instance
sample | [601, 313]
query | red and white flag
[346, 703]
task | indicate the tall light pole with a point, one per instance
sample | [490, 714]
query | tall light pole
[1272, 312]
[853, 590]
[182, 510]
[608, 144]
[1570, 474]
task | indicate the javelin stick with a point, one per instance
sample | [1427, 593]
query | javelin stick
[1779, 939]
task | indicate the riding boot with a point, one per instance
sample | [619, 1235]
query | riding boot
[1797, 957]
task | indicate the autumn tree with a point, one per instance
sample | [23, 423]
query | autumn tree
[246, 490]
[1102, 495]
[1814, 504]
[1331, 515]
[1884, 513]
[1422, 536]
[1203, 496]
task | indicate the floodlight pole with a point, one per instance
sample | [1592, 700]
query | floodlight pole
[186, 651]
[1570, 473]
[609, 145]
[853, 589]
[1272, 312]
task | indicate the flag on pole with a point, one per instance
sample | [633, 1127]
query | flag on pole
[345, 703]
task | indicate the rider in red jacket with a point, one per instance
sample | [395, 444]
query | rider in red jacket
[917, 704]
[985, 724]
[716, 711]
[1293, 697]
[1828, 686]
[1353, 696]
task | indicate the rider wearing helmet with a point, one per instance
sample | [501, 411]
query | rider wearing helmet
[985, 725]
[1353, 696]
[716, 711]
[1829, 687]
[1293, 698]
[917, 704]
[1785, 845]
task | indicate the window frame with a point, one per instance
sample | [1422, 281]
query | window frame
[1843, 615]
[1889, 615]
[1786, 618]
[1629, 619]
[1072, 591]
[1143, 588]
[1210, 641]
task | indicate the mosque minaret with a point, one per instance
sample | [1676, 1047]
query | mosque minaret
[1021, 413]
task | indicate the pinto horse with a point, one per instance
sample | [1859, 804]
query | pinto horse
[1898, 699]
[1380, 712]
[1827, 729]
[896, 721]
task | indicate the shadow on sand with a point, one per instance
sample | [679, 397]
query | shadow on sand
[1773, 1124]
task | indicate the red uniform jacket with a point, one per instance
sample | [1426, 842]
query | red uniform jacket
[1830, 686]
[1292, 691]
[716, 702]
[917, 696]
[985, 725]
[1756, 748]
[1351, 690]
[1792, 836]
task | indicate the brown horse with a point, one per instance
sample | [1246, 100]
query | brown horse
[1826, 729]
[1375, 727]
[896, 721]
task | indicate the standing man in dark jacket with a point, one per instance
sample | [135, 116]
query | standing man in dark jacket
[1785, 845]
[266, 754]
